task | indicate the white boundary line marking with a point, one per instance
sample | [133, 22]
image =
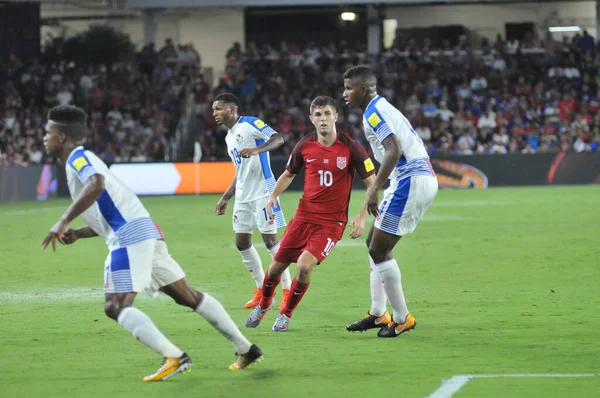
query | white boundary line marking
[32, 210]
[451, 386]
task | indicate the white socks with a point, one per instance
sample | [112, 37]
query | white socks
[252, 262]
[378, 296]
[286, 281]
[390, 275]
[142, 328]
[216, 315]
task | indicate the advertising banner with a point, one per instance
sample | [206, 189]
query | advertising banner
[475, 171]
[27, 182]
[175, 178]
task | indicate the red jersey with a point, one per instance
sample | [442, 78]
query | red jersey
[329, 174]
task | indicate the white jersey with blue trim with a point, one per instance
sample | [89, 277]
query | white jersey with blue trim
[380, 120]
[118, 215]
[254, 178]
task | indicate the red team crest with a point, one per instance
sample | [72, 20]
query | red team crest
[341, 162]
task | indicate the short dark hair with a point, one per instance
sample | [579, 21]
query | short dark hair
[323, 100]
[362, 74]
[228, 98]
[71, 121]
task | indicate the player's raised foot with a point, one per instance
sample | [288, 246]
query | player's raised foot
[284, 296]
[281, 323]
[243, 361]
[170, 367]
[257, 315]
[394, 329]
[369, 321]
[255, 299]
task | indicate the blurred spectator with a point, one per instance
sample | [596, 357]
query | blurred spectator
[133, 109]
[511, 96]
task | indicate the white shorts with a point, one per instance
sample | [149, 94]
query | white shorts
[249, 216]
[144, 266]
[404, 203]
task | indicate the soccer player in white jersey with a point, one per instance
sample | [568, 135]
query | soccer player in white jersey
[413, 187]
[138, 257]
[249, 141]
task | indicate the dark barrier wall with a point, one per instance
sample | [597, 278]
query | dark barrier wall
[520, 169]
[478, 171]
[28, 183]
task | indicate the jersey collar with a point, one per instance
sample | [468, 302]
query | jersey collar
[373, 100]
[75, 150]
[236, 123]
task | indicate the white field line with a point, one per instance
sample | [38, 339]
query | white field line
[72, 294]
[455, 383]
[86, 294]
[54, 295]
[32, 211]
[469, 203]
[43, 209]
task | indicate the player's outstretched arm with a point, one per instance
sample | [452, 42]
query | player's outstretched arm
[359, 222]
[92, 190]
[222, 203]
[390, 158]
[272, 143]
[283, 182]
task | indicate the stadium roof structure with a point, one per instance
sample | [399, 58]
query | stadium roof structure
[105, 5]
[139, 4]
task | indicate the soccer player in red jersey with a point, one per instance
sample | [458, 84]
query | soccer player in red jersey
[330, 160]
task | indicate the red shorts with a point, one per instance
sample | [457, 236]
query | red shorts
[316, 239]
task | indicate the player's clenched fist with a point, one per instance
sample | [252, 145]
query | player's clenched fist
[221, 207]
[247, 152]
[269, 207]
[70, 236]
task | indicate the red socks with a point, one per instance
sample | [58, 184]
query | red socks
[297, 291]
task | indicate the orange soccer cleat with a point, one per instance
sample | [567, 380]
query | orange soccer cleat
[284, 296]
[256, 299]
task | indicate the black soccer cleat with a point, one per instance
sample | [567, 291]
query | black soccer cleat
[369, 322]
[394, 329]
[243, 361]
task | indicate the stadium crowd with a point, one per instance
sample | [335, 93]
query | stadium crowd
[501, 97]
[496, 98]
[133, 108]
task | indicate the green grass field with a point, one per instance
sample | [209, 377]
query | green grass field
[501, 281]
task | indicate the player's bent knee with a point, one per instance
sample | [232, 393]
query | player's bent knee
[377, 254]
[241, 246]
[305, 269]
[270, 242]
[276, 269]
[192, 299]
[112, 308]
[243, 241]
[183, 294]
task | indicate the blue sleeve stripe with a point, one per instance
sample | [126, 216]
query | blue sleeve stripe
[383, 131]
[109, 211]
[84, 172]
[264, 161]
[80, 153]
[382, 120]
